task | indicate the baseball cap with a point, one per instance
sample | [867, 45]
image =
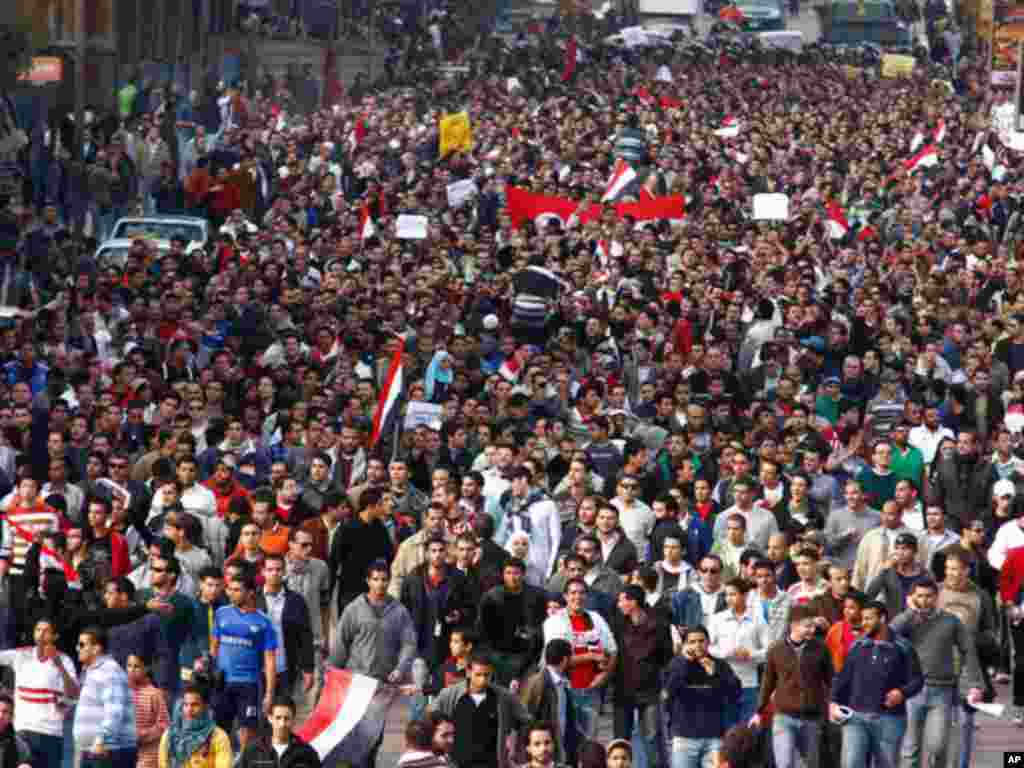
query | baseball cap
[1003, 488]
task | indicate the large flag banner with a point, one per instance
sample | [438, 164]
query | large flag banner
[455, 134]
[524, 206]
[349, 718]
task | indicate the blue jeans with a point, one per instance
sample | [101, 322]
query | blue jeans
[964, 714]
[694, 753]
[46, 749]
[115, 758]
[877, 737]
[586, 704]
[929, 719]
[793, 737]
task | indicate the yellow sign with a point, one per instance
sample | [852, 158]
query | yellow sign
[455, 134]
[897, 66]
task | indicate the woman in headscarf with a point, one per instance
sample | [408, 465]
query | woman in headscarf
[439, 377]
[194, 740]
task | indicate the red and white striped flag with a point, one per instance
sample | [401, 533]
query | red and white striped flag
[349, 718]
[838, 225]
[923, 158]
[388, 401]
[622, 176]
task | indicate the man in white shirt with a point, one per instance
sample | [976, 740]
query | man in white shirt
[43, 679]
[1009, 536]
[740, 637]
[926, 437]
[195, 498]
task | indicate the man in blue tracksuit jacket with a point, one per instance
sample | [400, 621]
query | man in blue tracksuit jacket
[881, 672]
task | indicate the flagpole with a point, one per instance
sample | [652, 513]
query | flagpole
[399, 423]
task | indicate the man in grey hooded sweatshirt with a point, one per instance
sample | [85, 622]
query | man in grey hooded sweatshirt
[375, 636]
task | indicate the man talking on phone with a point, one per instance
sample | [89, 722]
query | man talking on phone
[700, 695]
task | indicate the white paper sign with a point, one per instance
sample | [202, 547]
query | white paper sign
[411, 227]
[460, 191]
[771, 207]
[664, 74]
[417, 414]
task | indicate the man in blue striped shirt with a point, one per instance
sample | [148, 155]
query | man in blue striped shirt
[104, 728]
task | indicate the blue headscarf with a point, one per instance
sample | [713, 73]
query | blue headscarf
[186, 737]
[436, 374]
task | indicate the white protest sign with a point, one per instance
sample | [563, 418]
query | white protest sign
[411, 227]
[664, 74]
[461, 191]
[417, 414]
[771, 207]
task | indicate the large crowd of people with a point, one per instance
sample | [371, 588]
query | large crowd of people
[748, 486]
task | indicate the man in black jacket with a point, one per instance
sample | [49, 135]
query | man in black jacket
[363, 540]
[438, 598]
[265, 750]
[290, 617]
[510, 619]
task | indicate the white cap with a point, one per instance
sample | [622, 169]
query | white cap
[1003, 488]
[491, 322]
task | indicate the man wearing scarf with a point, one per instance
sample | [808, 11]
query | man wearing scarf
[194, 740]
[531, 511]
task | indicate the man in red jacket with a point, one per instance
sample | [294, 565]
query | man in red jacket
[106, 545]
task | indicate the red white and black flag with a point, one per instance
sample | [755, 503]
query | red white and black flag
[387, 405]
[349, 718]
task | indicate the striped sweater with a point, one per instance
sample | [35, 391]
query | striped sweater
[21, 525]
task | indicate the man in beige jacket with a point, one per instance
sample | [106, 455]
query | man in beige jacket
[413, 551]
[876, 548]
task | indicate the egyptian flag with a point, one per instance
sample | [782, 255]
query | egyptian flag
[569, 67]
[622, 176]
[923, 158]
[838, 225]
[349, 718]
[366, 226]
[387, 403]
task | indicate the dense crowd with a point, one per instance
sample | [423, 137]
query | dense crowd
[749, 486]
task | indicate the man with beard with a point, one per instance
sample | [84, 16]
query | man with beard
[869, 695]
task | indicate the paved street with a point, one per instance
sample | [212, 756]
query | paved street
[994, 736]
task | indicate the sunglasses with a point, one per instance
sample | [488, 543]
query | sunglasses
[710, 570]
